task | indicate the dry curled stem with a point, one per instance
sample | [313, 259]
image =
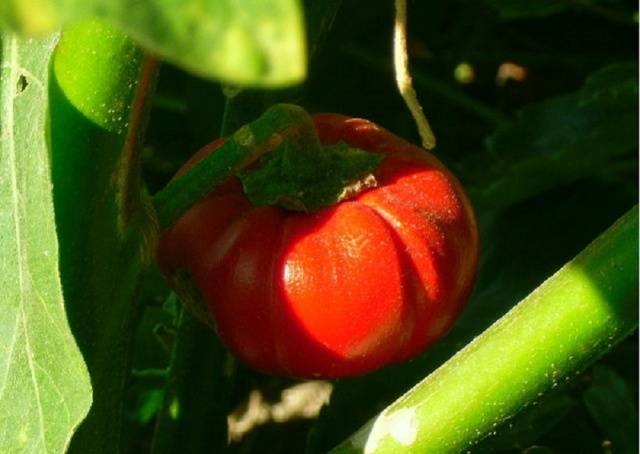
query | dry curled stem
[403, 77]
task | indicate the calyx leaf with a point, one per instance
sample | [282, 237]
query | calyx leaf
[301, 175]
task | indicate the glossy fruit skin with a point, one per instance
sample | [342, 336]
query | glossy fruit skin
[343, 291]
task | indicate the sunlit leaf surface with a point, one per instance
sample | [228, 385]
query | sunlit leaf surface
[44, 385]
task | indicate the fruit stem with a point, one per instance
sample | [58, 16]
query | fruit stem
[241, 149]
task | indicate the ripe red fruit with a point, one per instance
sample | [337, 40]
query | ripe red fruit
[342, 291]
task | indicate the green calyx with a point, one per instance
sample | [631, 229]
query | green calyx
[297, 178]
[293, 170]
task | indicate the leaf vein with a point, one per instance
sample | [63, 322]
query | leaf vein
[57, 389]
[15, 194]
[11, 350]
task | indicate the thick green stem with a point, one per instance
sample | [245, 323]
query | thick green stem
[239, 150]
[99, 86]
[565, 324]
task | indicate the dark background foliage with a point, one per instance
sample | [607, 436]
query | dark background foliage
[549, 160]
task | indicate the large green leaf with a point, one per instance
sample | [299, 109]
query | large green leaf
[245, 42]
[44, 385]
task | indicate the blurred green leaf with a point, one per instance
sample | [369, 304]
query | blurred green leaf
[516, 9]
[611, 404]
[244, 42]
[44, 384]
[560, 140]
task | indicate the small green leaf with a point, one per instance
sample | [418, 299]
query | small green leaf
[44, 384]
[245, 42]
[610, 403]
[299, 178]
[517, 9]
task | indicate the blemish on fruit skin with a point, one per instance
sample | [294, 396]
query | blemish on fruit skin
[401, 426]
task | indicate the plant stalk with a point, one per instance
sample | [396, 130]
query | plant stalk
[100, 84]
